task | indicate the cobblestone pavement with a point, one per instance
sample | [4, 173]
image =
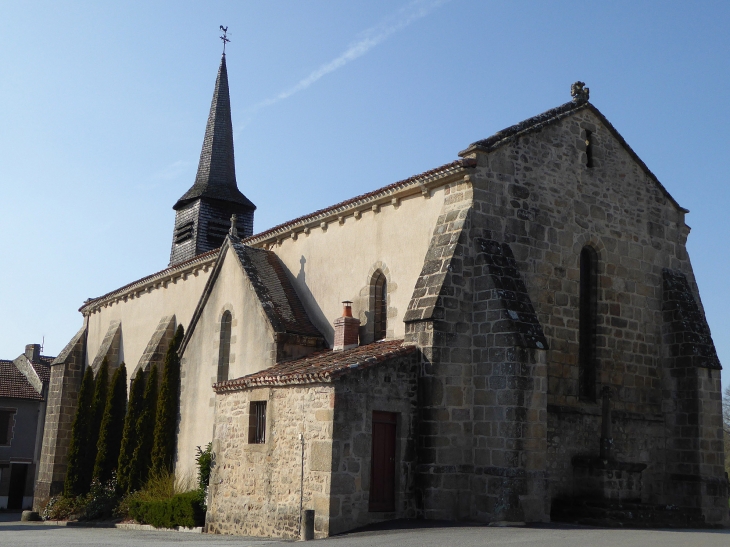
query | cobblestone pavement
[18, 534]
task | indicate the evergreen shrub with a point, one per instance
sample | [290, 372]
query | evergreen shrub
[112, 425]
[163, 449]
[75, 482]
[130, 440]
[184, 509]
[101, 394]
[139, 466]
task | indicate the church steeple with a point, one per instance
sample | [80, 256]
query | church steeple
[203, 213]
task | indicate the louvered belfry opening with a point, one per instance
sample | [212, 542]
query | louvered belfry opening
[379, 306]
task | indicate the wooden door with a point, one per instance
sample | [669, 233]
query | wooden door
[382, 467]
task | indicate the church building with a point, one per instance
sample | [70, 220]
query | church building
[515, 336]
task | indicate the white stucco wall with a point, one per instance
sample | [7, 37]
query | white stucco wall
[330, 266]
[251, 340]
[141, 314]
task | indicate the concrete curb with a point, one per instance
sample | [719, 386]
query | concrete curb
[120, 526]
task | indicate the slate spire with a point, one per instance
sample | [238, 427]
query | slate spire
[216, 178]
[203, 213]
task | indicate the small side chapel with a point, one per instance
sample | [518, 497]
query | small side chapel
[515, 336]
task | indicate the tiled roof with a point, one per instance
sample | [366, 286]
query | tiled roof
[216, 177]
[43, 368]
[201, 258]
[14, 385]
[449, 168]
[320, 367]
[276, 293]
[549, 117]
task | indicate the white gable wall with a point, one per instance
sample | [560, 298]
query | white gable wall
[251, 344]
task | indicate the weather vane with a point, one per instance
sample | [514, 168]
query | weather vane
[224, 38]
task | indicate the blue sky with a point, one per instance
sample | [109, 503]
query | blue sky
[104, 107]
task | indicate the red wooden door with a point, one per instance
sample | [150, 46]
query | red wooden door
[382, 468]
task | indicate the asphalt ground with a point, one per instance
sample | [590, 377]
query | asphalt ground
[404, 534]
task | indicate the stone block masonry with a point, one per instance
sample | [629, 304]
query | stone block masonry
[257, 489]
[66, 375]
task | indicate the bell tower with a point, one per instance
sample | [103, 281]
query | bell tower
[202, 214]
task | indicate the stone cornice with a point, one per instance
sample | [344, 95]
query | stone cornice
[421, 184]
[148, 284]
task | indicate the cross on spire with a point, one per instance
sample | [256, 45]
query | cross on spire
[224, 38]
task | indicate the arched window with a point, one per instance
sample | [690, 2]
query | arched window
[379, 301]
[224, 350]
[588, 323]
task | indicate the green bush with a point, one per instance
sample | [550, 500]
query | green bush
[168, 406]
[130, 441]
[64, 508]
[180, 510]
[112, 426]
[139, 466]
[76, 482]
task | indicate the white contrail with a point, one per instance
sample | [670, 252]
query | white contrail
[371, 38]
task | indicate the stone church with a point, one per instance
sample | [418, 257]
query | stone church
[511, 337]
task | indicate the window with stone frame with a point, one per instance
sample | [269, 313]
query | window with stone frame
[588, 317]
[257, 422]
[379, 305]
[6, 426]
[224, 348]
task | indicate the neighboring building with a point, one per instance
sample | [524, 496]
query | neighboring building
[522, 332]
[23, 393]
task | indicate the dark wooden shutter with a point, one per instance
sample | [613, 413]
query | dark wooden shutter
[382, 469]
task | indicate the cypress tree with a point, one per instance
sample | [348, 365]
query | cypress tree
[101, 390]
[129, 438]
[144, 431]
[77, 464]
[163, 450]
[112, 424]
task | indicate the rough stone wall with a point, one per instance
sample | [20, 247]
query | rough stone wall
[483, 386]
[66, 374]
[390, 387]
[692, 405]
[538, 194]
[255, 488]
[439, 320]
[510, 397]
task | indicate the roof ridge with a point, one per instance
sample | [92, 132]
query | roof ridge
[460, 163]
[535, 123]
[167, 271]
[320, 367]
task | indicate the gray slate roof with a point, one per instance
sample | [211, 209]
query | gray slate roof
[276, 293]
[216, 178]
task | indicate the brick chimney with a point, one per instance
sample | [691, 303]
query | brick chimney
[33, 352]
[346, 329]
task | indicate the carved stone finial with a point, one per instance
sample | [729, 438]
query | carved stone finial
[233, 232]
[579, 92]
